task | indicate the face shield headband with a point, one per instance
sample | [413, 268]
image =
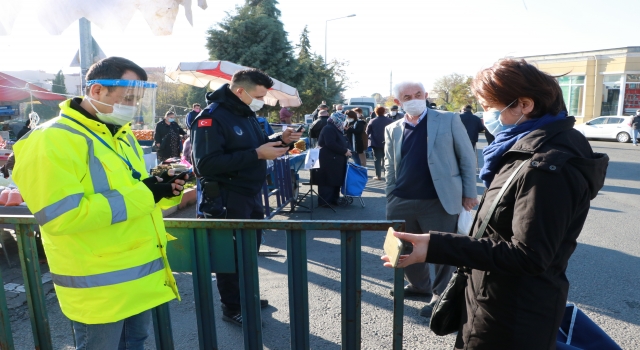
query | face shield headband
[133, 99]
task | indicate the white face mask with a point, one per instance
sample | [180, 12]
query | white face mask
[121, 115]
[255, 105]
[350, 120]
[393, 114]
[414, 107]
[493, 123]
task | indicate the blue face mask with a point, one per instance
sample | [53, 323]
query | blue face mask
[493, 123]
[171, 120]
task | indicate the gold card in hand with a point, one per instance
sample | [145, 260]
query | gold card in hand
[392, 247]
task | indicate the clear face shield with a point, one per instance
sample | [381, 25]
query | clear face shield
[126, 101]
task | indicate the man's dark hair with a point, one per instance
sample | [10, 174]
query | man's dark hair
[250, 78]
[195, 105]
[468, 108]
[113, 68]
[323, 106]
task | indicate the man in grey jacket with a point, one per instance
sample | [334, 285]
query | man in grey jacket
[431, 178]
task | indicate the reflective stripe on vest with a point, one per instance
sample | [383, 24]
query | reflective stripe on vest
[58, 208]
[109, 278]
[117, 205]
[132, 143]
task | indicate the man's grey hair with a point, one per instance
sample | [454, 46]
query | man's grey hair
[338, 107]
[405, 84]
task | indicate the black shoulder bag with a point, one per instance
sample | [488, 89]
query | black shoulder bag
[446, 316]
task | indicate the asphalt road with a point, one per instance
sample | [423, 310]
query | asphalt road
[603, 273]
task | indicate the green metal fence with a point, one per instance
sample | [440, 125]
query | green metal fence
[206, 246]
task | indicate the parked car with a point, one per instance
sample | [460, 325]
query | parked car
[616, 128]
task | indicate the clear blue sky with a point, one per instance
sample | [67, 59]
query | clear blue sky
[418, 40]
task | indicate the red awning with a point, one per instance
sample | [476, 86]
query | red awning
[13, 89]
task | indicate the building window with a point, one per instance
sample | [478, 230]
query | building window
[632, 94]
[611, 95]
[573, 93]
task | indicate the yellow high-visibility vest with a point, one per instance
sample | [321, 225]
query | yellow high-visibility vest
[103, 234]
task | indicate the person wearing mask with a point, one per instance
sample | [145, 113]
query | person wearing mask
[339, 109]
[394, 114]
[285, 115]
[430, 178]
[100, 214]
[316, 127]
[353, 131]
[365, 139]
[334, 153]
[517, 289]
[168, 137]
[230, 153]
[375, 133]
[193, 114]
[635, 125]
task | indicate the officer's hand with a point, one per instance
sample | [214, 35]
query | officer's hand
[158, 189]
[271, 150]
[290, 135]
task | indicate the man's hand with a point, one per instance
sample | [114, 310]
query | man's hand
[157, 145]
[290, 135]
[271, 150]
[348, 154]
[419, 254]
[469, 203]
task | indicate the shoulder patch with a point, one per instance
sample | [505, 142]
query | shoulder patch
[204, 123]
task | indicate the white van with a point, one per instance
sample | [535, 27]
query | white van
[362, 101]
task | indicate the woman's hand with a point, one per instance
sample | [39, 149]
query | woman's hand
[348, 154]
[420, 246]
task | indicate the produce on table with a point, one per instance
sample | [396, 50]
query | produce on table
[301, 145]
[143, 135]
[295, 151]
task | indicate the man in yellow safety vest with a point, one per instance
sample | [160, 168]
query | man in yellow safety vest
[99, 213]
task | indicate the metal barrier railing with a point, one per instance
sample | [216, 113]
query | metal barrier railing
[206, 246]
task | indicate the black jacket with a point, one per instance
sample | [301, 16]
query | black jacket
[333, 162]
[375, 130]
[516, 296]
[473, 124]
[224, 144]
[356, 129]
[162, 130]
[635, 122]
[316, 127]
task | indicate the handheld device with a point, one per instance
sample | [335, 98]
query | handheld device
[291, 143]
[180, 176]
[392, 247]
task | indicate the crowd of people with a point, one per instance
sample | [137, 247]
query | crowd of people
[100, 212]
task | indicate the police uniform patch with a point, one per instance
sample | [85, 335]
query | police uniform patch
[238, 130]
[204, 123]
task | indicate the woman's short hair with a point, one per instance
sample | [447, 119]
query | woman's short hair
[380, 111]
[510, 79]
[358, 110]
[352, 114]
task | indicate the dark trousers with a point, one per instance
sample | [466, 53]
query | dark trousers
[328, 195]
[378, 159]
[238, 207]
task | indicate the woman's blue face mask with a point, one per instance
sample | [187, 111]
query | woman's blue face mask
[493, 123]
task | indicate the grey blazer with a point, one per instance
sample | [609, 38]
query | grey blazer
[451, 158]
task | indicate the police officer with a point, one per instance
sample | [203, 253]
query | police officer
[230, 153]
[99, 213]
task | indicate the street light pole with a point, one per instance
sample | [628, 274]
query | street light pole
[325, 41]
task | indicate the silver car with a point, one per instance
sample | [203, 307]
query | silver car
[616, 128]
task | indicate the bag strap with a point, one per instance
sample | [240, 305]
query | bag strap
[494, 205]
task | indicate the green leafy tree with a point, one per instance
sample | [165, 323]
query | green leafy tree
[454, 91]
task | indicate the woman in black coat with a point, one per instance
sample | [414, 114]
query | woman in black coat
[353, 131]
[333, 161]
[517, 290]
[168, 137]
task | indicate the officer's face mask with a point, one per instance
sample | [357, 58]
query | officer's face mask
[131, 98]
[255, 104]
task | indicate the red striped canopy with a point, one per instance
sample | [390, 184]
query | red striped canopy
[13, 89]
[217, 73]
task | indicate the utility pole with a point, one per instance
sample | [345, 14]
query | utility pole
[390, 82]
[86, 50]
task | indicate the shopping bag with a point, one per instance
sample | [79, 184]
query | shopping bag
[465, 220]
[312, 160]
[355, 180]
[578, 332]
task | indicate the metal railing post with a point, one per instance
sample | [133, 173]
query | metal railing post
[33, 287]
[398, 308]
[202, 290]
[351, 289]
[162, 327]
[298, 288]
[6, 338]
[247, 248]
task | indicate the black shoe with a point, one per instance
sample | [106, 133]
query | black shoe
[264, 303]
[410, 292]
[233, 317]
[427, 310]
